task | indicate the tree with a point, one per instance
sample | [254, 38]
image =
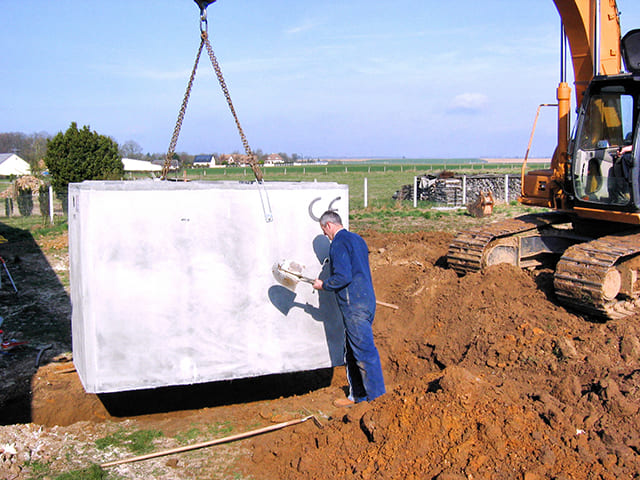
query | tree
[30, 148]
[285, 157]
[25, 201]
[131, 149]
[78, 155]
[12, 142]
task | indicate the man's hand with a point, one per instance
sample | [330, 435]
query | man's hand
[317, 284]
[622, 150]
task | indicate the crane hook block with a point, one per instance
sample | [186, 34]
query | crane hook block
[203, 4]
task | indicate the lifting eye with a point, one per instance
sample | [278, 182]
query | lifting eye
[203, 4]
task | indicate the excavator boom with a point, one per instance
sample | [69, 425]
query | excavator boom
[591, 46]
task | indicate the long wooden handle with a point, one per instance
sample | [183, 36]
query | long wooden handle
[385, 304]
[231, 438]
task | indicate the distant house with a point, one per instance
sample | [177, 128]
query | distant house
[227, 159]
[273, 159]
[204, 161]
[133, 165]
[12, 164]
[237, 159]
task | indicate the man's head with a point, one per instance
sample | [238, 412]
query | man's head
[330, 223]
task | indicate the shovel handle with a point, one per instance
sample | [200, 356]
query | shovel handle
[298, 276]
[385, 304]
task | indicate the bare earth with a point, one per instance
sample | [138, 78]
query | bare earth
[488, 378]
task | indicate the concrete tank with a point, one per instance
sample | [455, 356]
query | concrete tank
[171, 282]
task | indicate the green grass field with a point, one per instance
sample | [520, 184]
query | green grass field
[382, 180]
[382, 213]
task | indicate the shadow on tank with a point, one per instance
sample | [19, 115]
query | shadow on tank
[214, 394]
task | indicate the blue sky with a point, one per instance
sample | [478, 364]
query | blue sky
[337, 78]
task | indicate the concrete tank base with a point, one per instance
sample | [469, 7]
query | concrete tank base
[171, 282]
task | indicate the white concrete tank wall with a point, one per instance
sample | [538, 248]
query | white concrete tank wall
[171, 282]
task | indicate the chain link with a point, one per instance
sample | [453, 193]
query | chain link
[204, 40]
[183, 109]
[216, 67]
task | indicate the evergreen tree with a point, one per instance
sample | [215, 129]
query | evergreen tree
[78, 155]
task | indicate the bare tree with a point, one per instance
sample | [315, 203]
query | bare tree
[131, 149]
[31, 148]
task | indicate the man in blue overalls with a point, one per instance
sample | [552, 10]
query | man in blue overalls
[350, 279]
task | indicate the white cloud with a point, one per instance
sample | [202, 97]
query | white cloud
[469, 102]
[303, 27]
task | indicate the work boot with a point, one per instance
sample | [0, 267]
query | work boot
[343, 402]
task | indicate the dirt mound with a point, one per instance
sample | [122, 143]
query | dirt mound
[489, 379]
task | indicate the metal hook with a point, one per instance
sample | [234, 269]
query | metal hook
[203, 4]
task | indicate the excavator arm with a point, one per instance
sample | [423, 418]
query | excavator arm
[589, 45]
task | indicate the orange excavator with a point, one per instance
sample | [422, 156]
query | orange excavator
[591, 233]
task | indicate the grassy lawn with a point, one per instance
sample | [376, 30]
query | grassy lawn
[382, 180]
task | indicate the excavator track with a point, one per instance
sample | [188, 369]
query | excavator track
[599, 277]
[467, 250]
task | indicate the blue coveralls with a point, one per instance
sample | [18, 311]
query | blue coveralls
[350, 279]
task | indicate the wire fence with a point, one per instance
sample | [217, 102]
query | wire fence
[26, 203]
[203, 173]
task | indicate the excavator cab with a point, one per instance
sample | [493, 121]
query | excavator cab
[605, 150]
[604, 158]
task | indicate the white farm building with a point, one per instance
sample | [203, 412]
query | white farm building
[12, 164]
[133, 165]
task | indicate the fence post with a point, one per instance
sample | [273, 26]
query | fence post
[506, 189]
[51, 203]
[366, 190]
[415, 192]
[464, 190]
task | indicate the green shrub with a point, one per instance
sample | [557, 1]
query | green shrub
[43, 195]
[25, 202]
[78, 155]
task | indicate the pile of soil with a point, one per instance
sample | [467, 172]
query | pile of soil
[487, 378]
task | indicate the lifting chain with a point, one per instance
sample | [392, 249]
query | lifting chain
[204, 40]
[183, 108]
